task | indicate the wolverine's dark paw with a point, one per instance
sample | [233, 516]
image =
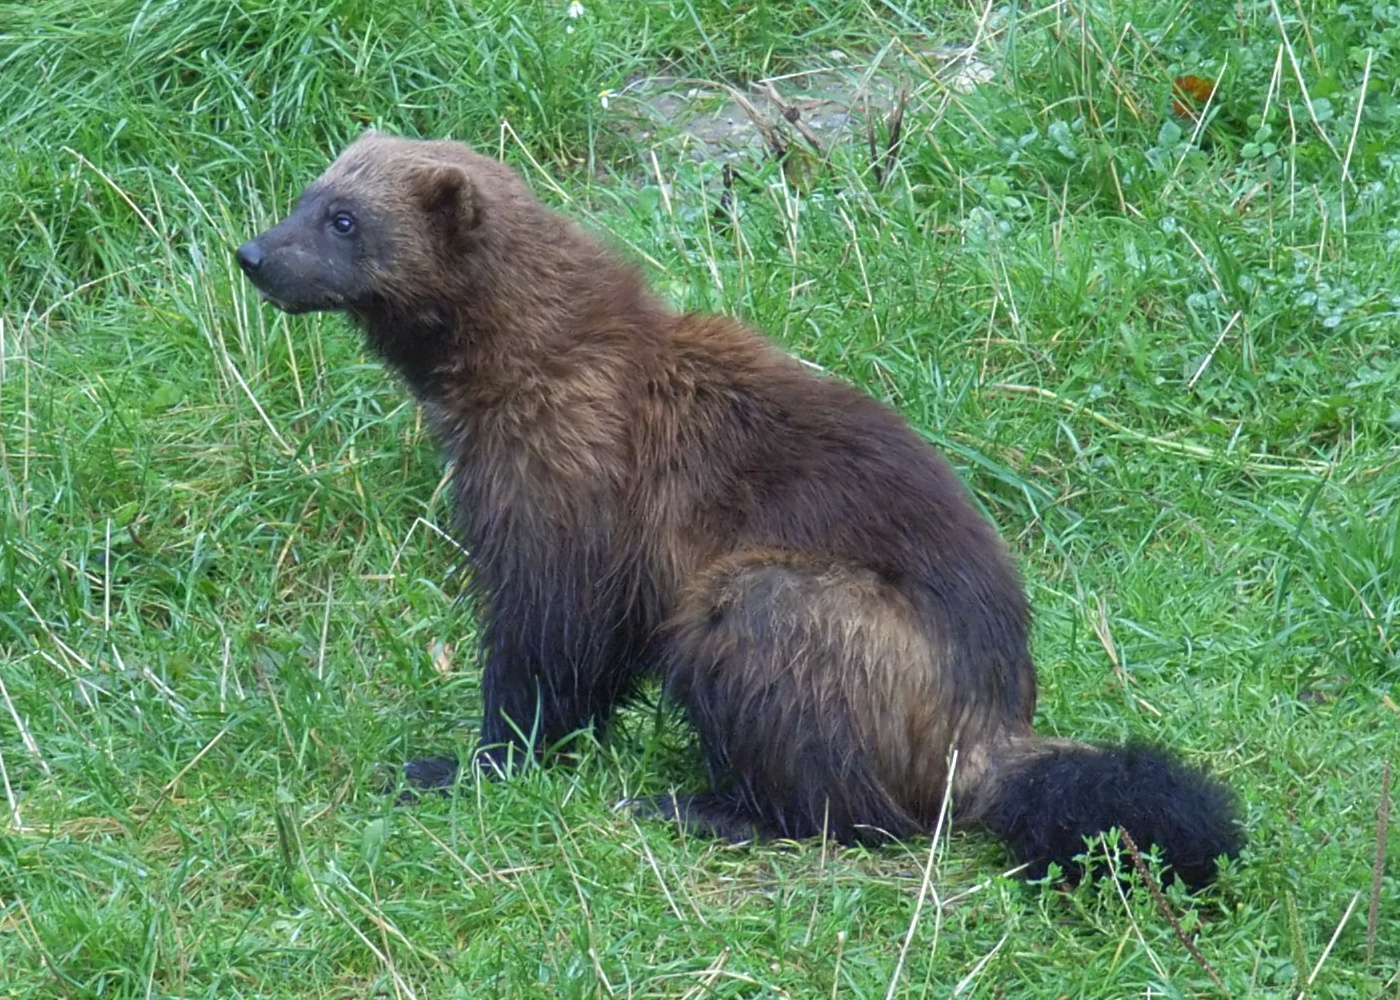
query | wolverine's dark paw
[707, 815]
[431, 772]
[439, 775]
[427, 774]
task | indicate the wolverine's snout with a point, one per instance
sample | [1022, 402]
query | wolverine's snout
[250, 257]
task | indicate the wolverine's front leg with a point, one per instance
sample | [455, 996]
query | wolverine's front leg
[541, 686]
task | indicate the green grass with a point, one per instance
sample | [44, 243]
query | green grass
[1167, 362]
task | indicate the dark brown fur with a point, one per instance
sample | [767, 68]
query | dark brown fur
[644, 492]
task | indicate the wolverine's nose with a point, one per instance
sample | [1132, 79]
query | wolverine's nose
[250, 256]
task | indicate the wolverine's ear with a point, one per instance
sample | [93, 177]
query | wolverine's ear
[448, 198]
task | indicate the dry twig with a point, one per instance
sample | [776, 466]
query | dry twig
[1164, 908]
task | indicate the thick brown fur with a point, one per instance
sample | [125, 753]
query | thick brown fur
[648, 493]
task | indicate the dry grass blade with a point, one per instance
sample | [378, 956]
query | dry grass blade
[1331, 943]
[895, 128]
[875, 167]
[1255, 461]
[1378, 862]
[776, 143]
[793, 115]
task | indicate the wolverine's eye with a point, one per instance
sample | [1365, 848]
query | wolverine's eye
[343, 223]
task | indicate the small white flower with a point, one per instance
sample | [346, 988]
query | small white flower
[606, 95]
[575, 10]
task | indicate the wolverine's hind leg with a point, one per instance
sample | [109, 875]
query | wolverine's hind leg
[815, 691]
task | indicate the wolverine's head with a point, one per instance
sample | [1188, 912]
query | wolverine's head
[379, 224]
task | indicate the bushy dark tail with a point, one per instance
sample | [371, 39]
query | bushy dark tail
[1043, 797]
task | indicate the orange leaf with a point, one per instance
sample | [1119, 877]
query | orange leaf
[1190, 93]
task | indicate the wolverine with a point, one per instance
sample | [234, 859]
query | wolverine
[644, 493]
